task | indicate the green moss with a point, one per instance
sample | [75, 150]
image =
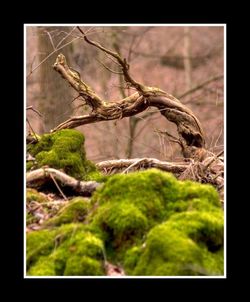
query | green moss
[34, 195]
[64, 247]
[43, 242]
[214, 262]
[191, 190]
[81, 244]
[129, 205]
[63, 150]
[30, 218]
[75, 211]
[148, 191]
[43, 267]
[29, 165]
[165, 247]
[204, 227]
[123, 222]
[83, 266]
[97, 176]
[131, 258]
[39, 243]
[188, 243]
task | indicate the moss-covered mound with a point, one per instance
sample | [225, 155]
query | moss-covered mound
[67, 250]
[189, 243]
[75, 211]
[62, 150]
[148, 222]
[132, 210]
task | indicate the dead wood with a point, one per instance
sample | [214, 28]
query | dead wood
[111, 166]
[204, 166]
[210, 170]
[44, 174]
[188, 126]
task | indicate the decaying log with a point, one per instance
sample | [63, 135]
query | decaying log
[43, 174]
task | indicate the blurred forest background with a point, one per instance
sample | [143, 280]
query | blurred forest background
[185, 61]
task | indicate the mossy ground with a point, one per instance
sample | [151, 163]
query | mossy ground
[149, 222]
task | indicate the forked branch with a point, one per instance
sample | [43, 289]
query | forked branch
[189, 129]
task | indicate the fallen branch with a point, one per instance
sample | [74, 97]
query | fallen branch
[144, 163]
[193, 170]
[83, 187]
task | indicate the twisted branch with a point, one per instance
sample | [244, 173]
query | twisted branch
[188, 126]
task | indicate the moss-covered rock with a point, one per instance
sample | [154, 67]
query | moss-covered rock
[134, 205]
[147, 191]
[189, 243]
[75, 211]
[63, 150]
[129, 205]
[68, 250]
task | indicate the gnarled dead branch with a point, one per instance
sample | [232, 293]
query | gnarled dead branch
[188, 126]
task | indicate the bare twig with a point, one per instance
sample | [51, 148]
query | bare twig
[109, 69]
[213, 159]
[132, 165]
[48, 56]
[122, 62]
[35, 110]
[50, 38]
[201, 85]
[172, 137]
[27, 120]
[59, 189]
[68, 34]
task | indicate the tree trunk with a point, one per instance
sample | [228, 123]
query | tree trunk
[187, 58]
[55, 97]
